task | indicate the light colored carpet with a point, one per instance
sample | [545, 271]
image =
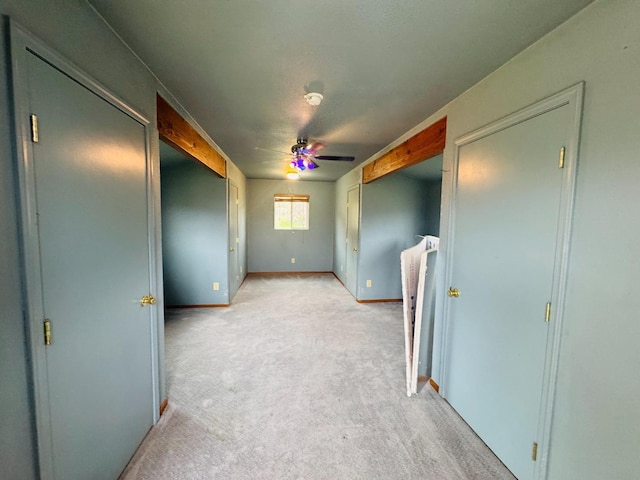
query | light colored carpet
[296, 380]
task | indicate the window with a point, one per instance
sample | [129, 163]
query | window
[290, 211]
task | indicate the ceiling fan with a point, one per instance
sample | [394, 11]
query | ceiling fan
[304, 155]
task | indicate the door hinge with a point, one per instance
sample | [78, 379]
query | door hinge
[561, 159]
[534, 451]
[547, 312]
[47, 331]
[34, 128]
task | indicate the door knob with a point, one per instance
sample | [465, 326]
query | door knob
[355, 249]
[147, 300]
[233, 249]
[453, 292]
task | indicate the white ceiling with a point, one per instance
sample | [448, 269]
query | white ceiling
[241, 67]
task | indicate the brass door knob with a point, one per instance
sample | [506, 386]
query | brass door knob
[147, 300]
[453, 292]
[232, 249]
[355, 249]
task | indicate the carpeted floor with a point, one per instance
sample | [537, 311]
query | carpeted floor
[296, 380]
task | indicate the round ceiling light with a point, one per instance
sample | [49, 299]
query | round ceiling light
[313, 98]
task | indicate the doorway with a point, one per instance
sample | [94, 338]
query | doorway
[194, 232]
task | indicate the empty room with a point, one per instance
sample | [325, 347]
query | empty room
[319, 240]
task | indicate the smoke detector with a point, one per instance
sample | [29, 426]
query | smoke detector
[313, 98]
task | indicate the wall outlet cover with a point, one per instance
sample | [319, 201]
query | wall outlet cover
[216, 286]
[293, 260]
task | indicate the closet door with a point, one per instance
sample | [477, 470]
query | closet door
[507, 212]
[96, 384]
[234, 242]
[353, 237]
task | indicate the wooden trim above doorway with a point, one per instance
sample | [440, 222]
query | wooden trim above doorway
[422, 146]
[178, 133]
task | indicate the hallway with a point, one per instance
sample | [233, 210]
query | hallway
[298, 381]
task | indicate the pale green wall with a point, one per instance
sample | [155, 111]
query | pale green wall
[393, 211]
[596, 429]
[432, 194]
[194, 234]
[271, 250]
[74, 30]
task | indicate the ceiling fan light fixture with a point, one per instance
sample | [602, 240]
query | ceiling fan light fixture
[313, 98]
[292, 173]
[310, 164]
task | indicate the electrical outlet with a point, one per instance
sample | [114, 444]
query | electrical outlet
[293, 260]
[368, 283]
[216, 286]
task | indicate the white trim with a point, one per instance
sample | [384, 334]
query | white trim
[154, 236]
[573, 97]
[22, 44]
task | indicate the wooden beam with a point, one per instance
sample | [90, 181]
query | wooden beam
[178, 133]
[422, 146]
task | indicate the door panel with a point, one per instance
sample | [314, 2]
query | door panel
[234, 263]
[91, 202]
[353, 230]
[506, 220]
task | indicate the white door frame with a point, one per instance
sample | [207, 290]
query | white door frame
[23, 44]
[573, 97]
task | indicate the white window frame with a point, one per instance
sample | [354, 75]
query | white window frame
[291, 200]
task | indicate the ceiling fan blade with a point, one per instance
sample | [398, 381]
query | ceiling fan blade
[335, 158]
[314, 147]
[271, 150]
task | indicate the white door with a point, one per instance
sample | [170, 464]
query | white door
[91, 204]
[353, 231]
[507, 208]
